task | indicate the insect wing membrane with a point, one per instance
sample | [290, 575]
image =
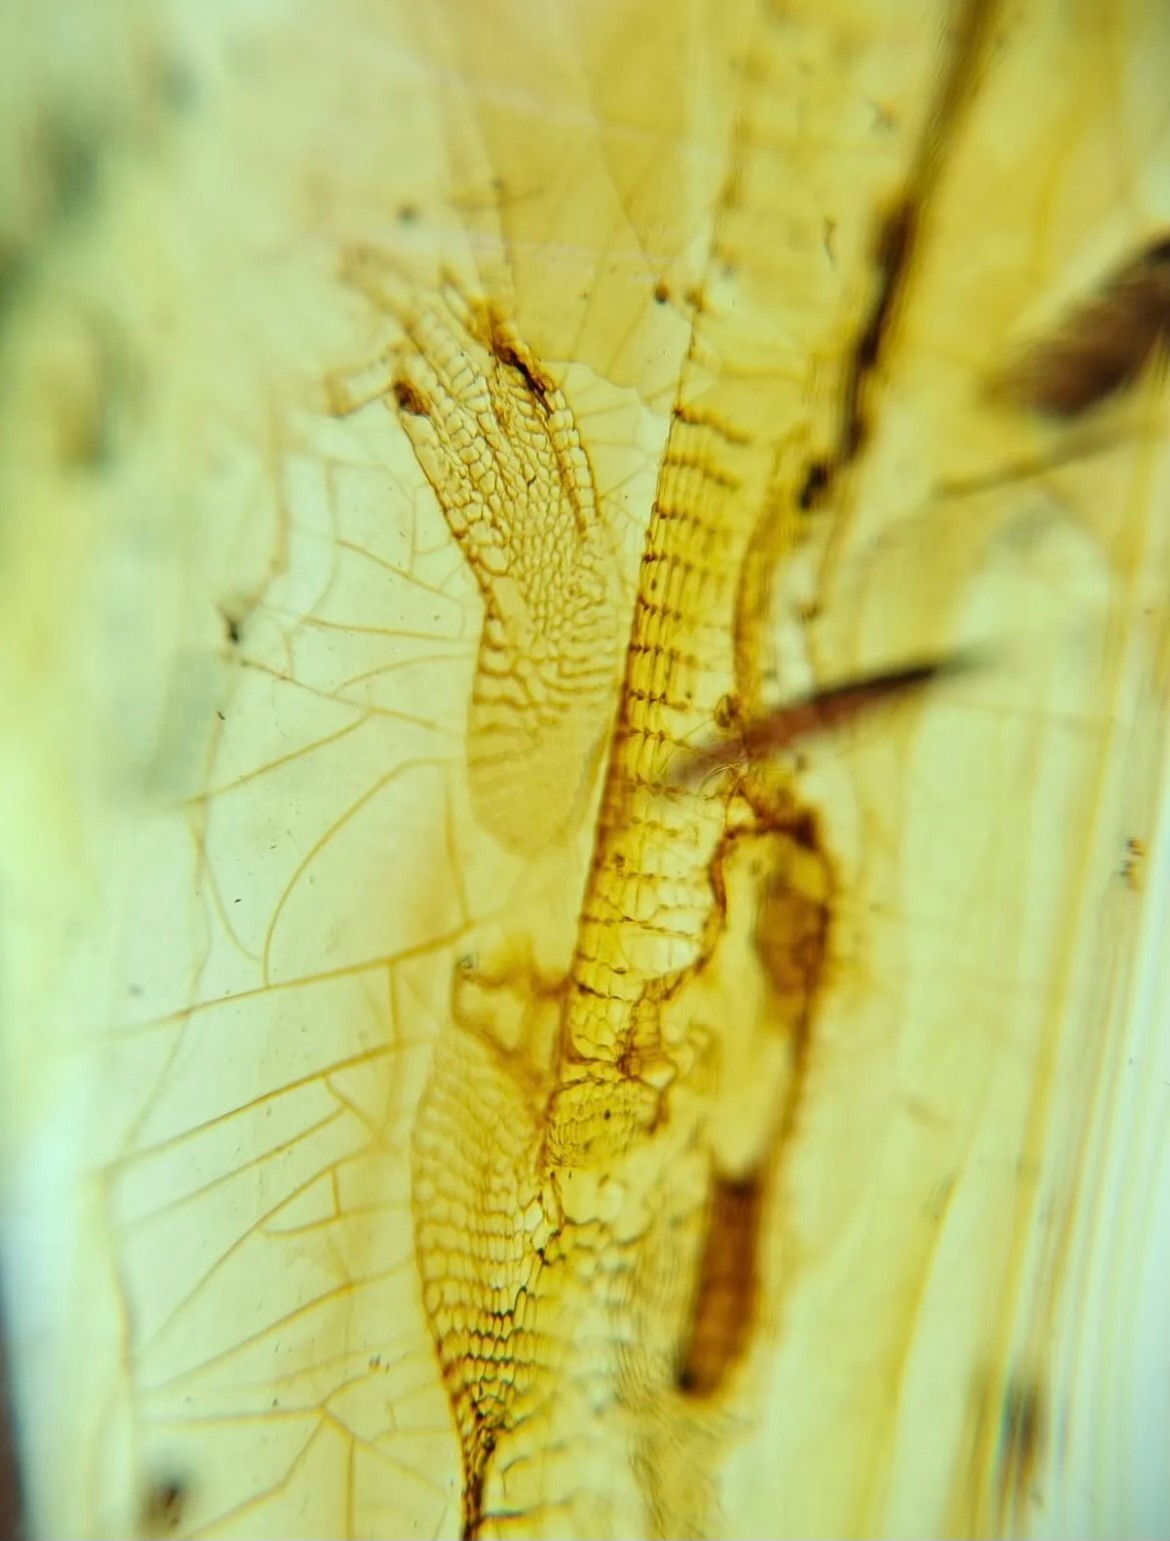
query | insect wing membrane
[425, 1112]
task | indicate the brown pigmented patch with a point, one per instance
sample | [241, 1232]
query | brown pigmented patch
[1099, 347]
[725, 1301]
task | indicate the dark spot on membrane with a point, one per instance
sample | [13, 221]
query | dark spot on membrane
[504, 347]
[727, 713]
[1100, 346]
[803, 830]
[408, 398]
[724, 1307]
[538, 386]
[661, 292]
[815, 485]
[1021, 1434]
[164, 1504]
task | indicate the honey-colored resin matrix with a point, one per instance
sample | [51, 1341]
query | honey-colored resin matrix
[586, 611]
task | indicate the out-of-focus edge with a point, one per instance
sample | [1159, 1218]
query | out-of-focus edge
[11, 1507]
[1112, 1425]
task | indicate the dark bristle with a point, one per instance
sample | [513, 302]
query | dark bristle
[1100, 347]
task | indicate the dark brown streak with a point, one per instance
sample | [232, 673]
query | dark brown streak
[164, 1505]
[824, 711]
[724, 1309]
[1021, 1437]
[892, 259]
[473, 1515]
[408, 398]
[899, 239]
[895, 246]
[1100, 346]
[505, 349]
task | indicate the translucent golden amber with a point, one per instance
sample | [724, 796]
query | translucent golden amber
[587, 639]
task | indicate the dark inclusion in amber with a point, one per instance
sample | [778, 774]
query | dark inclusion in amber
[599, 1160]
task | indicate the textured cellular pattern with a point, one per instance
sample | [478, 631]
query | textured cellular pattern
[497, 442]
[593, 989]
[598, 1233]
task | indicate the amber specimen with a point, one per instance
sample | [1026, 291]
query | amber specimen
[538, 998]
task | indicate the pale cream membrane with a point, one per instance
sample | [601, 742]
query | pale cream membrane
[427, 1111]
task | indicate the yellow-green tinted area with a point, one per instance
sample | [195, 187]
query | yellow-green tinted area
[584, 656]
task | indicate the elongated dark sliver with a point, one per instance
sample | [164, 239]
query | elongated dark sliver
[723, 1310]
[1100, 346]
[805, 716]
